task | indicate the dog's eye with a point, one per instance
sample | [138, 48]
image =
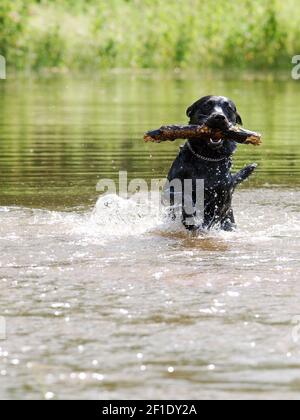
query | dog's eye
[229, 107]
[208, 106]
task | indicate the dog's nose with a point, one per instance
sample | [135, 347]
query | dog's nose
[217, 120]
[219, 117]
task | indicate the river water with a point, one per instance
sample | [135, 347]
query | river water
[103, 298]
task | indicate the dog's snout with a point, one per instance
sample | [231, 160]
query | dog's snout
[218, 120]
[218, 117]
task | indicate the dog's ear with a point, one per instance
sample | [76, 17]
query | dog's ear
[239, 119]
[191, 110]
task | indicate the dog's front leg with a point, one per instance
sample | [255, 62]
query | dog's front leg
[189, 221]
[243, 174]
[229, 224]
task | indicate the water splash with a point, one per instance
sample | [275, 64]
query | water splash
[116, 216]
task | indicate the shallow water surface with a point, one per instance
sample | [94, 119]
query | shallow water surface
[103, 299]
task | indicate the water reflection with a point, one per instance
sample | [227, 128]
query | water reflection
[58, 137]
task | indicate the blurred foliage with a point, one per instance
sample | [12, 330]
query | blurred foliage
[13, 21]
[81, 34]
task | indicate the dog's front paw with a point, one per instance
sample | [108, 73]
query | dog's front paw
[243, 174]
[253, 166]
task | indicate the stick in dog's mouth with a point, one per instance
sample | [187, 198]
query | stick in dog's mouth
[215, 136]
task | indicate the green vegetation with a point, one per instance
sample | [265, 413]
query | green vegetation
[91, 34]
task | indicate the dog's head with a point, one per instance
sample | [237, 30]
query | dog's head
[216, 112]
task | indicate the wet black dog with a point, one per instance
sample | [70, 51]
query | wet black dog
[210, 161]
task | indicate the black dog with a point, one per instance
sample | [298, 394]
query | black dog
[210, 161]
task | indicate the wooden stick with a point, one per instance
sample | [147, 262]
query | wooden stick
[202, 132]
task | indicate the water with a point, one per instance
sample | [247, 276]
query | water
[102, 299]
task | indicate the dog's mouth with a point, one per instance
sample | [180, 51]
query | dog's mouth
[216, 122]
[216, 144]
